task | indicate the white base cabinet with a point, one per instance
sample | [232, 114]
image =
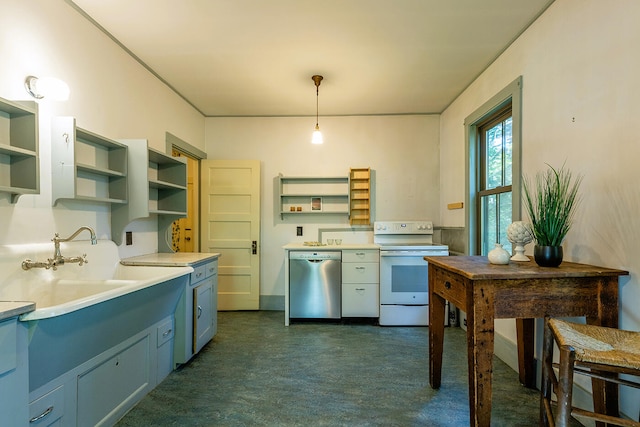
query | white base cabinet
[197, 312]
[14, 373]
[101, 390]
[360, 283]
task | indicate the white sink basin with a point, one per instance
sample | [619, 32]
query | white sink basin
[72, 287]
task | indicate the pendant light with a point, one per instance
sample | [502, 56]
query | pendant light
[317, 135]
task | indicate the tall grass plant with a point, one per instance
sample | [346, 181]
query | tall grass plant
[551, 203]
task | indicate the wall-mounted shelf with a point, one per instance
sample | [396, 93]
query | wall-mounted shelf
[158, 185]
[86, 166]
[167, 184]
[360, 196]
[298, 192]
[19, 164]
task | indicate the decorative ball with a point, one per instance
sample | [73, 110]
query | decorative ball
[519, 232]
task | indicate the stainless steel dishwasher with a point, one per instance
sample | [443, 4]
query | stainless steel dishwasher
[315, 284]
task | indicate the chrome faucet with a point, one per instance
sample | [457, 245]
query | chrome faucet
[58, 259]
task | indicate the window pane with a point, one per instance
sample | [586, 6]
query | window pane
[488, 223]
[508, 151]
[494, 156]
[495, 217]
[504, 220]
[498, 155]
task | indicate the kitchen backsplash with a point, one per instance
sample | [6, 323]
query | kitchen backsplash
[454, 237]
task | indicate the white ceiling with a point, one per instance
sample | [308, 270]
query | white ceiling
[256, 57]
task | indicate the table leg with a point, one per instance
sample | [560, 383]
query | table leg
[526, 362]
[605, 394]
[436, 335]
[480, 330]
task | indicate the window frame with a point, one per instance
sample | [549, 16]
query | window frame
[511, 94]
[497, 118]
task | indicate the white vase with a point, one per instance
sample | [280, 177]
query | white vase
[498, 255]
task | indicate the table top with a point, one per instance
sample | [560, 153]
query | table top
[479, 268]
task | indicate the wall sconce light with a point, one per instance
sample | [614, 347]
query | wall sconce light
[317, 135]
[47, 87]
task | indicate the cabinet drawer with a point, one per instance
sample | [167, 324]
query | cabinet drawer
[48, 408]
[360, 300]
[360, 255]
[199, 273]
[363, 272]
[165, 332]
[211, 268]
[451, 287]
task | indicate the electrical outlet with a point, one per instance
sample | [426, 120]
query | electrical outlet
[128, 238]
[299, 231]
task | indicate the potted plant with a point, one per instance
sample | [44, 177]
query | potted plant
[551, 203]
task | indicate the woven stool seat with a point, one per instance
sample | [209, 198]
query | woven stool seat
[594, 351]
[596, 344]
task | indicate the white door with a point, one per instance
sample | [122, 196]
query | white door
[230, 207]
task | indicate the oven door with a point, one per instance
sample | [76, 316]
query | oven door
[404, 278]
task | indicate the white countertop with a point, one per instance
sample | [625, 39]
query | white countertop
[177, 259]
[10, 309]
[301, 246]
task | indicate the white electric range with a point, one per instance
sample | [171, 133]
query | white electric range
[404, 280]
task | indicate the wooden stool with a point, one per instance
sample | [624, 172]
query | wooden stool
[599, 352]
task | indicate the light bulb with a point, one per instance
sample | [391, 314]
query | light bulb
[53, 88]
[317, 136]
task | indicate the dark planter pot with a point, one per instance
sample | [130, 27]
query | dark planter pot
[547, 256]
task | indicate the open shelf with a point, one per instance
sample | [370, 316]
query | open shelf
[19, 164]
[360, 196]
[86, 166]
[313, 195]
[159, 183]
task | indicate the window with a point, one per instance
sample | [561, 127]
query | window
[494, 201]
[492, 135]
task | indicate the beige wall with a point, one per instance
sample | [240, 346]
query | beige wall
[579, 64]
[401, 150]
[111, 95]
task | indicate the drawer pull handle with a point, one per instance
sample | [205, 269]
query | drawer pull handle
[360, 253]
[360, 289]
[447, 285]
[198, 275]
[42, 415]
[167, 332]
[359, 268]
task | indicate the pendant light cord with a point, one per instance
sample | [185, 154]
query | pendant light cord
[317, 91]
[317, 79]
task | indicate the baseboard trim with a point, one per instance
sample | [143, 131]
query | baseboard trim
[272, 302]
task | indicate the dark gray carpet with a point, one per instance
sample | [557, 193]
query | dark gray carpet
[257, 372]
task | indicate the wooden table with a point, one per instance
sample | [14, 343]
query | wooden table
[520, 290]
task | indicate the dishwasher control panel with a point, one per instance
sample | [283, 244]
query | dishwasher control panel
[315, 255]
